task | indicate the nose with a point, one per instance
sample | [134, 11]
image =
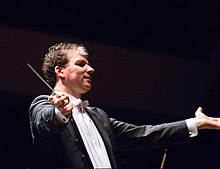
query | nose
[90, 70]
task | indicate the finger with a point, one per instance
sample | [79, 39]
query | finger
[50, 99]
[68, 108]
[200, 109]
[214, 119]
[199, 113]
[64, 100]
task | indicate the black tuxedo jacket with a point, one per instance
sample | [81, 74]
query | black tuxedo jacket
[57, 145]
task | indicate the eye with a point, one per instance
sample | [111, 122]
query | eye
[81, 63]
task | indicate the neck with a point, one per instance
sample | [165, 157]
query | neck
[65, 89]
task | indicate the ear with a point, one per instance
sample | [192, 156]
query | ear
[59, 71]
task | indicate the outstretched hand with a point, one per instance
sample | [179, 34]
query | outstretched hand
[205, 122]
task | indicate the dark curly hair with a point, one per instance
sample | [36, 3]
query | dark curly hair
[57, 56]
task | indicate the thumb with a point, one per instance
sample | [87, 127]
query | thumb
[199, 112]
[199, 109]
[50, 99]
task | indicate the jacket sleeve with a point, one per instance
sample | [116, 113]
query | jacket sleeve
[41, 115]
[145, 137]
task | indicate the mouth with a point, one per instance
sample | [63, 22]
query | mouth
[88, 78]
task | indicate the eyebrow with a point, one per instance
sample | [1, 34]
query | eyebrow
[82, 61]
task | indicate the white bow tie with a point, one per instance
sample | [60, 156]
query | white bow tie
[80, 103]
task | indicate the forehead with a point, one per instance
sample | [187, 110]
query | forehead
[74, 55]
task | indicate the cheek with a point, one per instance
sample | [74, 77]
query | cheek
[73, 73]
[76, 74]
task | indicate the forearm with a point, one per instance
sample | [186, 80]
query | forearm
[42, 117]
[148, 136]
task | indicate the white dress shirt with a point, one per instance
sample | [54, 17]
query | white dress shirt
[90, 135]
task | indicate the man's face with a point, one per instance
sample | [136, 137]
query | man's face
[77, 73]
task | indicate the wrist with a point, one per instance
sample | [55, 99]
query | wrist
[199, 123]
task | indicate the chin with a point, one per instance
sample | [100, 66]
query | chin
[88, 88]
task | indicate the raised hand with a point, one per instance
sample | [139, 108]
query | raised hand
[205, 122]
[62, 102]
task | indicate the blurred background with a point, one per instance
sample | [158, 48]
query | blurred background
[155, 62]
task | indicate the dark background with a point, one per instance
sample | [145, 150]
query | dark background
[165, 53]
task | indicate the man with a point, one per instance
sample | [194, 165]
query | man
[67, 133]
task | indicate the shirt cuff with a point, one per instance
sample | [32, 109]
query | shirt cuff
[191, 124]
[60, 116]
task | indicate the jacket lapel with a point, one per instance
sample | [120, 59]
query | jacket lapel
[99, 125]
[94, 115]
